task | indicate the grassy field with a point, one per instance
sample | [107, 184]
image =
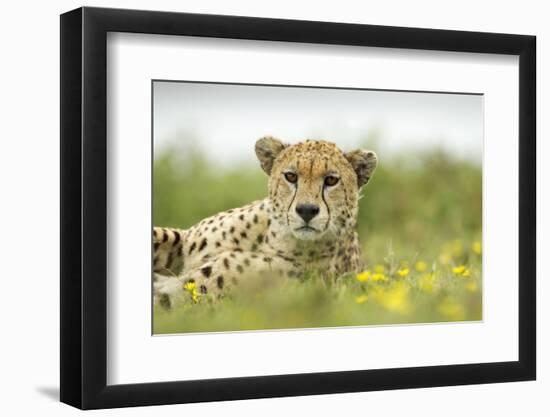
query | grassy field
[420, 228]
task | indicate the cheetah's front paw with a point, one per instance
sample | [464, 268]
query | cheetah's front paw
[169, 293]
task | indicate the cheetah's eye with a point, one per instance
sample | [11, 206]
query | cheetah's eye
[291, 177]
[331, 180]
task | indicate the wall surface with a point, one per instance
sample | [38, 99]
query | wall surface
[29, 168]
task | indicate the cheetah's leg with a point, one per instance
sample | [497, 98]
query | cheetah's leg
[223, 274]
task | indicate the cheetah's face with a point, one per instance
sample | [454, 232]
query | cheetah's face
[313, 186]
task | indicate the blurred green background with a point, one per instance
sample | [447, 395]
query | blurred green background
[419, 226]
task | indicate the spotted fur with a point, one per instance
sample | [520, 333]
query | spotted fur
[303, 224]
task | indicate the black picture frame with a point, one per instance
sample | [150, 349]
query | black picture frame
[84, 207]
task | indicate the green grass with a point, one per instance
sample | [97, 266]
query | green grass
[416, 208]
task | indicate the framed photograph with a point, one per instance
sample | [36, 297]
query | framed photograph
[256, 208]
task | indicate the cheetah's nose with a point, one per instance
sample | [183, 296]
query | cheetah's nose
[307, 211]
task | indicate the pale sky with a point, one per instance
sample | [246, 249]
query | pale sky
[227, 119]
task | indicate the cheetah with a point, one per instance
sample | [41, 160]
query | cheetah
[307, 221]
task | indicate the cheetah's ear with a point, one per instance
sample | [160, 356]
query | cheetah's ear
[267, 149]
[364, 163]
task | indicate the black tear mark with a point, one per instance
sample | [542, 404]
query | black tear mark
[290, 205]
[326, 204]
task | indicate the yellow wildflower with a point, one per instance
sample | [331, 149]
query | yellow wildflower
[421, 266]
[378, 277]
[471, 286]
[190, 285]
[191, 288]
[363, 276]
[476, 247]
[361, 299]
[451, 309]
[426, 283]
[459, 270]
[403, 272]
[395, 299]
[379, 269]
